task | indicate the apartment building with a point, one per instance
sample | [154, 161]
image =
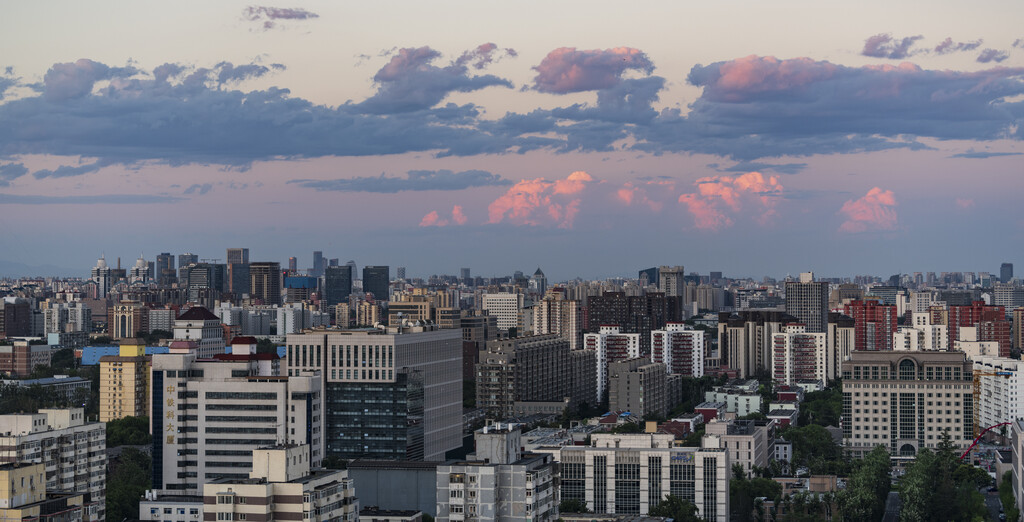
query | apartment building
[124, 382]
[799, 355]
[23, 496]
[1000, 391]
[680, 348]
[749, 443]
[641, 387]
[610, 345]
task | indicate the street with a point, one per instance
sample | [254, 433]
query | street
[892, 507]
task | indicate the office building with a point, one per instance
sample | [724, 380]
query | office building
[532, 369]
[610, 345]
[680, 348]
[187, 259]
[20, 358]
[237, 256]
[165, 273]
[140, 273]
[465, 276]
[200, 325]
[499, 481]
[873, 324]
[738, 396]
[1005, 272]
[807, 301]
[124, 382]
[283, 486]
[641, 387]
[377, 281]
[265, 282]
[72, 451]
[319, 263]
[337, 284]
[630, 474]
[648, 277]
[670, 280]
[391, 393]
[293, 265]
[799, 355]
[906, 400]
[209, 414]
[23, 496]
[102, 276]
[239, 280]
[506, 308]
[538, 283]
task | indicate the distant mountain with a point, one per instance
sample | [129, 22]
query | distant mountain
[15, 269]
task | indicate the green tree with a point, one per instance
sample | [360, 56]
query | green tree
[63, 359]
[128, 477]
[866, 492]
[823, 407]
[266, 346]
[468, 394]
[1007, 498]
[936, 487]
[744, 493]
[675, 507]
[573, 506]
[130, 431]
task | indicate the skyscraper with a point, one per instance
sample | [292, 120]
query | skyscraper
[670, 280]
[293, 264]
[1005, 272]
[400, 273]
[102, 277]
[337, 284]
[187, 259]
[808, 302]
[238, 255]
[318, 263]
[164, 268]
[265, 282]
[649, 276]
[376, 280]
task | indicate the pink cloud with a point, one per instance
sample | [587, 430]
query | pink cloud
[646, 193]
[738, 78]
[876, 210]
[457, 216]
[433, 219]
[567, 69]
[964, 203]
[717, 194]
[541, 202]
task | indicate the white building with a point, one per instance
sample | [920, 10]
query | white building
[921, 334]
[799, 355]
[199, 325]
[968, 343]
[680, 348]
[507, 308]
[102, 277]
[556, 315]
[1000, 396]
[611, 345]
[140, 273]
[73, 451]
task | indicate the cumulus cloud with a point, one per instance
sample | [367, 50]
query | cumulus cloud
[719, 196]
[650, 192]
[541, 202]
[568, 69]
[268, 16]
[484, 55]
[948, 46]
[876, 210]
[415, 180]
[433, 219]
[411, 82]
[883, 45]
[9, 171]
[992, 55]
[66, 81]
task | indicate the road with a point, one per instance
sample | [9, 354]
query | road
[992, 503]
[892, 507]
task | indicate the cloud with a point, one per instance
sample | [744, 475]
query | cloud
[410, 82]
[875, 211]
[9, 171]
[992, 55]
[964, 204]
[540, 202]
[229, 73]
[432, 219]
[104, 199]
[68, 81]
[748, 166]
[415, 180]
[198, 189]
[947, 46]
[719, 196]
[971, 154]
[567, 69]
[649, 192]
[484, 55]
[269, 15]
[885, 46]
[1019, 43]
[65, 171]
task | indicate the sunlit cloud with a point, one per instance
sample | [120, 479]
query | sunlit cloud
[541, 202]
[719, 197]
[876, 210]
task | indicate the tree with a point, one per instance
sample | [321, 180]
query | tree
[573, 506]
[266, 346]
[129, 476]
[63, 359]
[823, 407]
[866, 492]
[936, 487]
[1007, 498]
[130, 431]
[676, 508]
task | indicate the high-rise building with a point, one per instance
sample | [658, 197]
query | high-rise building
[293, 264]
[1005, 272]
[745, 339]
[140, 273]
[464, 276]
[538, 282]
[238, 256]
[337, 284]
[400, 273]
[557, 315]
[377, 281]
[670, 280]
[265, 282]
[318, 264]
[640, 387]
[200, 326]
[164, 269]
[799, 355]
[101, 275]
[209, 414]
[907, 384]
[680, 348]
[24, 497]
[610, 345]
[807, 301]
[506, 308]
[873, 324]
[392, 393]
[1000, 387]
[989, 319]
[124, 382]
[128, 320]
[186, 259]
[72, 450]
[239, 279]
[649, 276]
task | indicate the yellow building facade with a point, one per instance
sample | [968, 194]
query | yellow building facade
[124, 382]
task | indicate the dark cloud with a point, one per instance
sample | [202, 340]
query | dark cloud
[411, 82]
[947, 46]
[992, 55]
[484, 55]
[983, 155]
[229, 73]
[885, 46]
[65, 171]
[104, 199]
[1019, 43]
[567, 69]
[11, 171]
[415, 180]
[198, 189]
[65, 81]
[269, 15]
[752, 166]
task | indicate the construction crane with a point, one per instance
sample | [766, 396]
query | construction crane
[977, 395]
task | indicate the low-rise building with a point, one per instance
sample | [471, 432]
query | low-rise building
[23, 496]
[749, 443]
[66, 387]
[740, 397]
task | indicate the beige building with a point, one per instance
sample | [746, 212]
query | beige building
[639, 387]
[283, 486]
[72, 451]
[128, 320]
[749, 443]
[23, 496]
[906, 400]
[557, 315]
[124, 382]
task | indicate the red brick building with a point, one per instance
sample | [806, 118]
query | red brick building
[873, 324]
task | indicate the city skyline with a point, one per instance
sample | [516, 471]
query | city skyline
[750, 139]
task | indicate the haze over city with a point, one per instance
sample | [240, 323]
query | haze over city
[591, 139]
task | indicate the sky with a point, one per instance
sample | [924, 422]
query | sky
[591, 139]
